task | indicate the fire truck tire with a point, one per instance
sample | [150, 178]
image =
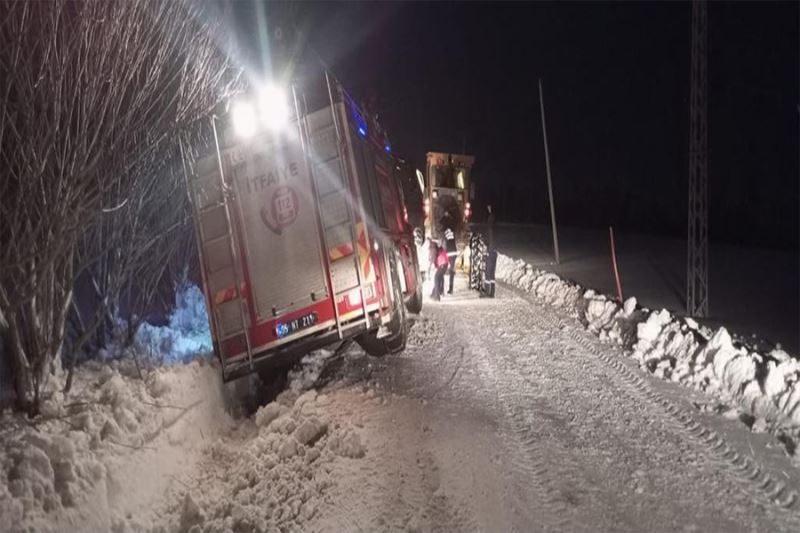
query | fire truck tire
[414, 304]
[396, 340]
[371, 344]
[274, 377]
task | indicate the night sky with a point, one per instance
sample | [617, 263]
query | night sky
[616, 82]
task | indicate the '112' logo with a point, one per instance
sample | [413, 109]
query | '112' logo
[284, 209]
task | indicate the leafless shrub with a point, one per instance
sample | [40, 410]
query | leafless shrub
[94, 96]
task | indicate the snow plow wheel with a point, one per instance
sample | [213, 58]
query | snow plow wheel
[396, 340]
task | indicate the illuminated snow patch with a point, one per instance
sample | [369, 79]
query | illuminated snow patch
[186, 337]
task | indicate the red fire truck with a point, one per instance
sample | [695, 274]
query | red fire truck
[302, 233]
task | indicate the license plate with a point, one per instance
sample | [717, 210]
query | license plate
[287, 328]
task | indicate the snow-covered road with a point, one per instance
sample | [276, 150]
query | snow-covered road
[503, 415]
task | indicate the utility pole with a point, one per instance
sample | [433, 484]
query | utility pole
[549, 179]
[697, 252]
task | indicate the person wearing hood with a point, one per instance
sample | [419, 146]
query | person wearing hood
[433, 253]
[439, 259]
[450, 246]
[488, 288]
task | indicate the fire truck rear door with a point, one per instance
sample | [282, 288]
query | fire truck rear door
[338, 208]
[281, 235]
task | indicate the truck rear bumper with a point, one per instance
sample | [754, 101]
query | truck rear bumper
[289, 353]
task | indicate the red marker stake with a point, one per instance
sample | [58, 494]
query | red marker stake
[614, 262]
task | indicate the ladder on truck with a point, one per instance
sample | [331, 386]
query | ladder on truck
[222, 269]
[331, 180]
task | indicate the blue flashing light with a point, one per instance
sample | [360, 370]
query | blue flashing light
[282, 330]
[358, 118]
[388, 148]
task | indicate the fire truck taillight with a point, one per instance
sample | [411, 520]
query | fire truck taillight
[467, 211]
[405, 214]
[426, 207]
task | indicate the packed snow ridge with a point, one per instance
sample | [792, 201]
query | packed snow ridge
[274, 477]
[148, 446]
[764, 386]
[90, 456]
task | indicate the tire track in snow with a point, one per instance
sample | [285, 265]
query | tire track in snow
[532, 458]
[546, 430]
[534, 463]
[751, 477]
[756, 481]
[452, 377]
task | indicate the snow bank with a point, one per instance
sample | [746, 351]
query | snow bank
[185, 337]
[64, 469]
[306, 374]
[273, 479]
[763, 385]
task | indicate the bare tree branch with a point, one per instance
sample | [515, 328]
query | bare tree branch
[94, 96]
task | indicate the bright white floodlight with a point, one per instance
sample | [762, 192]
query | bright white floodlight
[244, 119]
[274, 108]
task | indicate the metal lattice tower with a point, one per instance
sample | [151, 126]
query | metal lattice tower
[697, 264]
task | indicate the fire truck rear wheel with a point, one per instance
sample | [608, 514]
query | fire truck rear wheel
[414, 304]
[371, 344]
[396, 341]
[274, 377]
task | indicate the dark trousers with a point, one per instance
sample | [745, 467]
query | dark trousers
[491, 265]
[438, 282]
[452, 272]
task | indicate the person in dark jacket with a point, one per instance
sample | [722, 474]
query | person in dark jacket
[441, 268]
[491, 257]
[433, 253]
[490, 228]
[450, 245]
[488, 280]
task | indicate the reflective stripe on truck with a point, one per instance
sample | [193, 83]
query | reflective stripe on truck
[365, 254]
